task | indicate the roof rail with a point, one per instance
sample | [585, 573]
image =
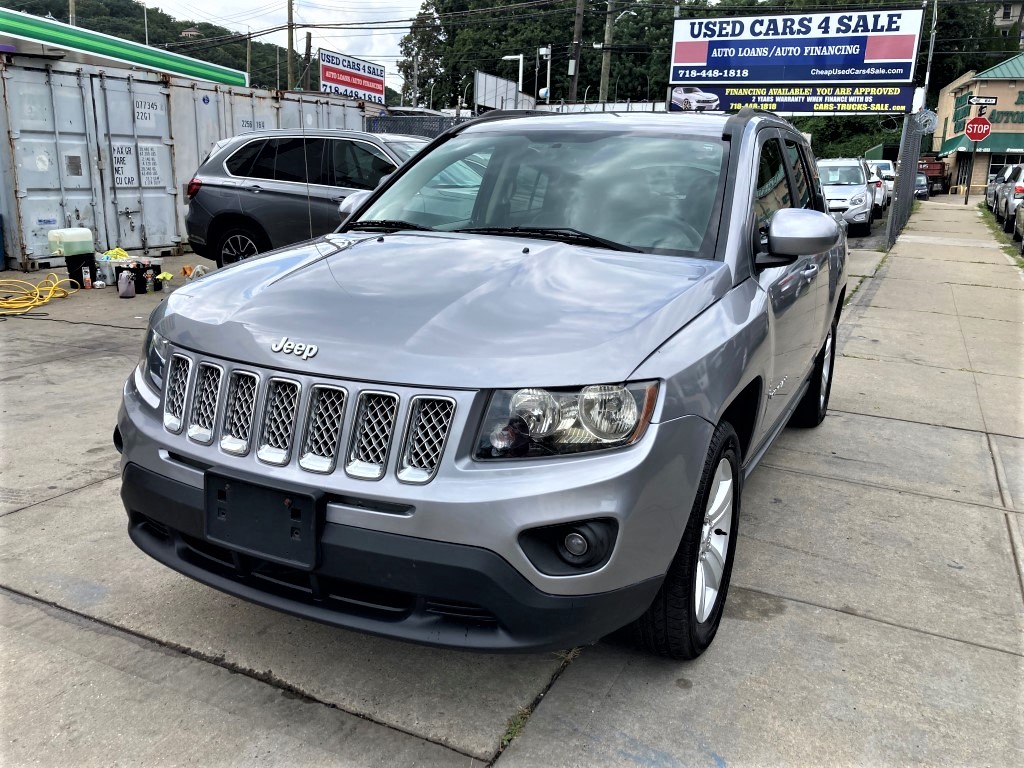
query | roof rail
[734, 125]
[498, 114]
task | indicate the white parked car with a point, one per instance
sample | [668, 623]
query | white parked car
[886, 171]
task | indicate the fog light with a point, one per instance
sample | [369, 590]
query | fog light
[576, 545]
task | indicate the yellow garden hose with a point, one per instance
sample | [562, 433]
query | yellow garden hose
[20, 296]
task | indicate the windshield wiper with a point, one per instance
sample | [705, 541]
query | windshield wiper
[565, 234]
[390, 225]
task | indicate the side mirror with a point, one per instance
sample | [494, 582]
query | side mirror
[348, 206]
[795, 232]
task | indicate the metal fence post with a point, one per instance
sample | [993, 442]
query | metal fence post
[906, 175]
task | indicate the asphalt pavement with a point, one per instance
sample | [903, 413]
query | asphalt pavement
[876, 615]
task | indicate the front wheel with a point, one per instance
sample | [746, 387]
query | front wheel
[684, 617]
[813, 406]
[1007, 221]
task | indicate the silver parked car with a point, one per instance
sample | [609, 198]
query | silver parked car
[994, 181]
[849, 191]
[517, 415]
[1009, 191]
[267, 189]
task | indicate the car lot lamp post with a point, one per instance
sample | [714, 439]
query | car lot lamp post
[520, 86]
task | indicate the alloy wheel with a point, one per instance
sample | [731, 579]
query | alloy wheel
[714, 543]
[826, 370]
[238, 247]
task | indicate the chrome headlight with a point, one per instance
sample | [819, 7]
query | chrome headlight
[534, 422]
[155, 355]
[857, 199]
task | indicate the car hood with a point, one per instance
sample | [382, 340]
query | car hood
[445, 310]
[842, 191]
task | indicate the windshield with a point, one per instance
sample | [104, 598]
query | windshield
[647, 192]
[841, 175]
[406, 149]
[922, 179]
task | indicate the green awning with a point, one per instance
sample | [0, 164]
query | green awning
[995, 142]
[38, 30]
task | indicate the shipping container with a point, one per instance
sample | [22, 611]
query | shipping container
[113, 149]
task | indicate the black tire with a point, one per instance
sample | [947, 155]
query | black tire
[238, 242]
[670, 627]
[866, 231]
[813, 406]
[1007, 222]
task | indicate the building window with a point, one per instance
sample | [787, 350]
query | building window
[1007, 9]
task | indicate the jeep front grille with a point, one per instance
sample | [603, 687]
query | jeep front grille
[278, 421]
[204, 404]
[291, 421]
[177, 390]
[323, 428]
[238, 413]
[371, 434]
[430, 419]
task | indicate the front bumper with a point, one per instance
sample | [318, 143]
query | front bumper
[468, 521]
[400, 587]
[858, 214]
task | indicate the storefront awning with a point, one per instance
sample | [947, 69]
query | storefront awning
[84, 42]
[996, 142]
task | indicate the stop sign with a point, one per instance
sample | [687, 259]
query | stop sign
[978, 128]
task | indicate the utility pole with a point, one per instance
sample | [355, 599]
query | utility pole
[415, 79]
[574, 57]
[309, 61]
[606, 53]
[145, 21]
[71, 12]
[248, 53]
[551, 54]
[931, 46]
[278, 52]
[290, 67]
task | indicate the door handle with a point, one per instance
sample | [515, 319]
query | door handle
[810, 271]
[255, 188]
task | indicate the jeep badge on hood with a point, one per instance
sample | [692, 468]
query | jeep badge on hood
[305, 351]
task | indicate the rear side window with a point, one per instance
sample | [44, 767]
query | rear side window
[292, 159]
[240, 163]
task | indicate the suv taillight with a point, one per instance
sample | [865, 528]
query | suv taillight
[1018, 190]
[878, 183]
[193, 188]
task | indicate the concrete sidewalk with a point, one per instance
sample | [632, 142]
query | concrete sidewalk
[876, 614]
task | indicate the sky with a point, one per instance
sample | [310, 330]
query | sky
[378, 47]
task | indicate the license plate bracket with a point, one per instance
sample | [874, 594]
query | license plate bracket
[274, 524]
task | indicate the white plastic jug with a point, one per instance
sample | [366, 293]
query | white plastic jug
[126, 285]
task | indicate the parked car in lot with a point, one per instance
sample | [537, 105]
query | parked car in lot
[849, 191]
[1018, 226]
[921, 186]
[518, 424]
[886, 171]
[994, 181]
[267, 189]
[1009, 191]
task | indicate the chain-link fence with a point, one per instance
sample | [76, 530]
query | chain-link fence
[906, 175]
[412, 125]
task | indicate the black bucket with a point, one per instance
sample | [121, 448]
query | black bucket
[77, 263]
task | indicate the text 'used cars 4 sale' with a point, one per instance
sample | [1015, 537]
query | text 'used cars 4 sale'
[511, 403]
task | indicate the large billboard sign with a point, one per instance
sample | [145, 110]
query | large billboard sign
[789, 100]
[847, 47]
[354, 78]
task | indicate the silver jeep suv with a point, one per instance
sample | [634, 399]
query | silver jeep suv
[506, 406]
[266, 189]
